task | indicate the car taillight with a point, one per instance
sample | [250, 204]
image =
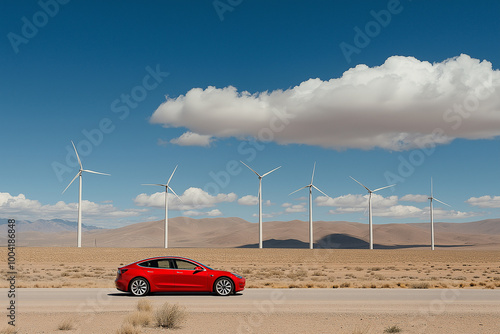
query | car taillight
[121, 271]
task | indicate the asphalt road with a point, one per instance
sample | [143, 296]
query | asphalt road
[433, 301]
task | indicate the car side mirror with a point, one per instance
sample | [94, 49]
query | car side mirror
[198, 269]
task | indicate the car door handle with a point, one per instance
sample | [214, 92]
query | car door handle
[179, 272]
[149, 271]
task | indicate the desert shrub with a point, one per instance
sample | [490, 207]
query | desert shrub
[139, 318]
[144, 305]
[128, 329]
[419, 285]
[393, 329]
[345, 285]
[66, 325]
[170, 316]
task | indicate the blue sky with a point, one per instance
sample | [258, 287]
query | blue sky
[359, 87]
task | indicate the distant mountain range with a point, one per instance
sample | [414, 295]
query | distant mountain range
[47, 226]
[236, 232]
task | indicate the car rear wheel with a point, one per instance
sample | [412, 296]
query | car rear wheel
[224, 286]
[139, 286]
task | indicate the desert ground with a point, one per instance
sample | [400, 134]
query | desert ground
[360, 270]
[69, 267]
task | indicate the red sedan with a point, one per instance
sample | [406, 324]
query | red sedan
[171, 273]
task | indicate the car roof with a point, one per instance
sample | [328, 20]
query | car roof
[166, 257]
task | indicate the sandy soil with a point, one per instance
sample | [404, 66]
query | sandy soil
[276, 268]
[465, 322]
[279, 268]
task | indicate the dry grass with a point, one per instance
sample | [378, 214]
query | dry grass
[393, 329]
[66, 325]
[277, 268]
[170, 316]
[139, 319]
[144, 305]
[128, 329]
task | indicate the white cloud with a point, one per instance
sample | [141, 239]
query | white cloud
[414, 198]
[24, 208]
[296, 208]
[252, 200]
[214, 213]
[194, 213]
[395, 106]
[248, 200]
[192, 139]
[450, 214]
[269, 215]
[192, 199]
[485, 201]
[359, 202]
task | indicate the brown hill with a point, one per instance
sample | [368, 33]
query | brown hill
[236, 232]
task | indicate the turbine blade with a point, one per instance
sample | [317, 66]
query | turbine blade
[392, 185]
[175, 194]
[153, 184]
[271, 171]
[441, 202]
[91, 171]
[319, 190]
[171, 175]
[314, 168]
[78, 157]
[251, 169]
[297, 190]
[360, 184]
[77, 175]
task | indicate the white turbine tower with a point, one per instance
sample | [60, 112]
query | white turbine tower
[79, 174]
[260, 198]
[432, 198]
[370, 206]
[166, 202]
[310, 186]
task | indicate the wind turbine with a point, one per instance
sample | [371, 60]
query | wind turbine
[166, 202]
[79, 174]
[260, 198]
[370, 206]
[432, 216]
[310, 186]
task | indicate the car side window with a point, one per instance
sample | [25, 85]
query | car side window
[165, 264]
[149, 264]
[185, 265]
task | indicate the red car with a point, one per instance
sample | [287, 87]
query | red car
[171, 273]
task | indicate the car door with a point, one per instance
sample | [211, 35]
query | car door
[161, 274]
[189, 279]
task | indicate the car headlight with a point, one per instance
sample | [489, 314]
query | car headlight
[240, 277]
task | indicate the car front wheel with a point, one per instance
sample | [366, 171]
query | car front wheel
[224, 286]
[139, 286]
